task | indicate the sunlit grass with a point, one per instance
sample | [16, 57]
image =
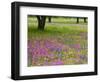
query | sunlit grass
[53, 30]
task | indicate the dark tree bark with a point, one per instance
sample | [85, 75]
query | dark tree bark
[77, 20]
[41, 22]
[84, 20]
[49, 19]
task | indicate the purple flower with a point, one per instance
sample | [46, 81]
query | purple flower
[77, 46]
[58, 62]
[83, 57]
[59, 49]
[59, 55]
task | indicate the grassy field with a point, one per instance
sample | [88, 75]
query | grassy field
[63, 42]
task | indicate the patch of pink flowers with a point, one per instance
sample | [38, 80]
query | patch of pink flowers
[43, 52]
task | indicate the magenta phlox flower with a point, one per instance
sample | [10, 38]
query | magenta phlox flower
[58, 62]
[77, 46]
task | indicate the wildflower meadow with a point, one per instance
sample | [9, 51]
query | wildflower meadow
[62, 42]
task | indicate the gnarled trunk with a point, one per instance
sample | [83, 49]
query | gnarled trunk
[41, 22]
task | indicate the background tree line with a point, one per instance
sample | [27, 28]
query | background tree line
[42, 20]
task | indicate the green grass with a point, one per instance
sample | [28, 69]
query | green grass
[55, 29]
[72, 32]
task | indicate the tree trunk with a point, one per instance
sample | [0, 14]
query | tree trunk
[84, 20]
[41, 22]
[49, 19]
[77, 20]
